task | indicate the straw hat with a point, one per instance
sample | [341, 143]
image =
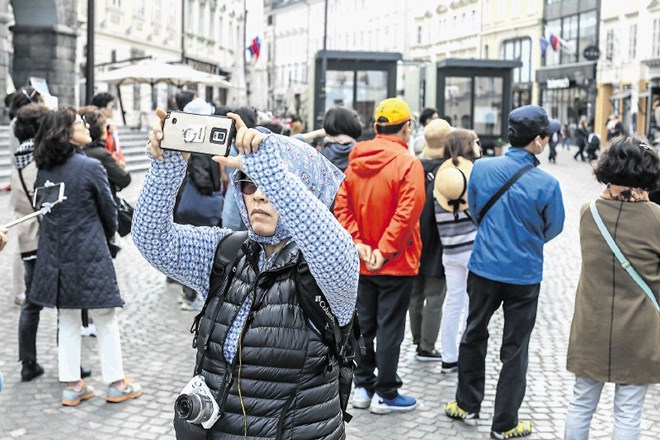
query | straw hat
[450, 186]
[435, 134]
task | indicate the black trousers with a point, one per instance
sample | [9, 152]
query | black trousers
[382, 305]
[28, 323]
[519, 303]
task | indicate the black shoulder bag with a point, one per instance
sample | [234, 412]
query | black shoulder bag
[502, 190]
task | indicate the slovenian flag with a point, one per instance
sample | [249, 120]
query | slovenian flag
[255, 48]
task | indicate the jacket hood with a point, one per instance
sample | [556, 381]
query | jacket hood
[316, 172]
[368, 158]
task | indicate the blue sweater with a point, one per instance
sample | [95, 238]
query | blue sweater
[510, 238]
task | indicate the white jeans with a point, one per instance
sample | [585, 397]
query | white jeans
[454, 314]
[628, 403]
[107, 335]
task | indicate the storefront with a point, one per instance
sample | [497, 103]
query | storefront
[477, 95]
[651, 99]
[359, 80]
[568, 91]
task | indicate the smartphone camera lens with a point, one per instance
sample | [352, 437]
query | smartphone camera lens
[173, 121]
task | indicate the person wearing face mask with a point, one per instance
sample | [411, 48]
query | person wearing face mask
[74, 269]
[255, 347]
[518, 208]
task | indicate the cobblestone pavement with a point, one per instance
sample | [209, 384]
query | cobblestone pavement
[157, 352]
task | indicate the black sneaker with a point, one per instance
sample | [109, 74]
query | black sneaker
[85, 372]
[428, 356]
[30, 370]
[449, 367]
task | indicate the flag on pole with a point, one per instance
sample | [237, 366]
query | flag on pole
[255, 48]
[544, 46]
[554, 41]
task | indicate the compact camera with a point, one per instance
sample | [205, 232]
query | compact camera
[198, 133]
[196, 404]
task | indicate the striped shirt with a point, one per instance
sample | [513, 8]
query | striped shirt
[456, 234]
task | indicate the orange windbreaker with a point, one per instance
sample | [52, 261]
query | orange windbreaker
[380, 201]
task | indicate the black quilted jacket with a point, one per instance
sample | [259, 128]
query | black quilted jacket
[74, 269]
[286, 389]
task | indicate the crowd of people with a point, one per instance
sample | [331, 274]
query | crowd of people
[413, 223]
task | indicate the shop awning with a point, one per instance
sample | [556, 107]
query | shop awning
[621, 95]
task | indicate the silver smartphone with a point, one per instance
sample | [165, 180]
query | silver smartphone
[198, 133]
[50, 194]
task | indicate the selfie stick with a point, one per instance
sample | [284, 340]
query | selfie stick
[45, 209]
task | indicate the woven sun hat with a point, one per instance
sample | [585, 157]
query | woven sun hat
[435, 134]
[450, 186]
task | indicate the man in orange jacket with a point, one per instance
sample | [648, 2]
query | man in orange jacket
[379, 203]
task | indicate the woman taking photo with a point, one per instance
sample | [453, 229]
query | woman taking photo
[74, 269]
[615, 335]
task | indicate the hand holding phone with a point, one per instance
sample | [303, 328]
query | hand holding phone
[45, 197]
[3, 238]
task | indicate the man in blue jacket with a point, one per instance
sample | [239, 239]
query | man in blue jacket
[506, 267]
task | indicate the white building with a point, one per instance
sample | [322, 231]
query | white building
[208, 35]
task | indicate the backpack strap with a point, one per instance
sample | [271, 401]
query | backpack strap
[619, 256]
[227, 254]
[502, 190]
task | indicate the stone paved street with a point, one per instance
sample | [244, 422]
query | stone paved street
[157, 352]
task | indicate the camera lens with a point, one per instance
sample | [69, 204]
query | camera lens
[174, 121]
[195, 408]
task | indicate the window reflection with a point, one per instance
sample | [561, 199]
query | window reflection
[457, 101]
[339, 88]
[488, 105]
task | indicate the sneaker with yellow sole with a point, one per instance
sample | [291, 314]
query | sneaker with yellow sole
[73, 397]
[132, 390]
[522, 430]
[456, 412]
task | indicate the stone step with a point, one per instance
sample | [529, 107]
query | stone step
[132, 142]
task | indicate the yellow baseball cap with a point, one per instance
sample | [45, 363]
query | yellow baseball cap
[392, 111]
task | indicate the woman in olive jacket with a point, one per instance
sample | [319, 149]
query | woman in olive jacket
[615, 335]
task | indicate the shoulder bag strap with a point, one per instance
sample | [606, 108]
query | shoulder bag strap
[502, 190]
[27, 193]
[619, 255]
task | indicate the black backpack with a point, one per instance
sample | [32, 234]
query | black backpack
[341, 340]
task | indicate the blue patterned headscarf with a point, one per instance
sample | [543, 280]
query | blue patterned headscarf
[316, 172]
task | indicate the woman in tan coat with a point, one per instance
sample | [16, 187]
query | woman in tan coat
[615, 335]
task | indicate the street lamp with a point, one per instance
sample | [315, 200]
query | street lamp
[89, 67]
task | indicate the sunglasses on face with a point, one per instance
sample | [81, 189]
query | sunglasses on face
[82, 121]
[247, 186]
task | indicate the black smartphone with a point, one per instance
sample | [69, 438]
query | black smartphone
[206, 134]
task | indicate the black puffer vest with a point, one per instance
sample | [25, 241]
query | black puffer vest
[281, 366]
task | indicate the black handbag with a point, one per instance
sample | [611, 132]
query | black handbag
[125, 217]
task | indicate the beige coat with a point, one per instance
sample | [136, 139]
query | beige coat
[28, 231]
[615, 335]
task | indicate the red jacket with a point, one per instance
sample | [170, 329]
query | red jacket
[380, 201]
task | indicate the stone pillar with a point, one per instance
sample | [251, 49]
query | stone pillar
[5, 18]
[47, 52]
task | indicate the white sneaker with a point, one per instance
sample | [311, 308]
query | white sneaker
[361, 398]
[400, 403]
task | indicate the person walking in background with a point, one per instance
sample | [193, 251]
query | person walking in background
[506, 267]
[457, 232]
[614, 127]
[615, 334]
[26, 95]
[379, 204]
[418, 140]
[79, 229]
[565, 134]
[428, 293]
[552, 147]
[581, 135]
[105, 102]
[342, 128]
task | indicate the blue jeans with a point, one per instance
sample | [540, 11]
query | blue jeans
[628, 403]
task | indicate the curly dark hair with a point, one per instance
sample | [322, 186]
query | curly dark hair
[102, 99]
[52, 143]
[24, 96]
[96, 121]
[342, 120]
[28, 120]
[629, 161]
[459, 143]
